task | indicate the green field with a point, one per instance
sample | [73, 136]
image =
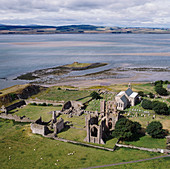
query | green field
[162, 163]
[34, 112]
[148, 142]
[62, 95]
[146, 87]
[22, 149]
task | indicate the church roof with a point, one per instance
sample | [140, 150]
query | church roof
[133, 95]
[124, 99]
[129, 91]
[120, 93]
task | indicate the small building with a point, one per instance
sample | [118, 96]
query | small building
[126, 98]
[43, 128]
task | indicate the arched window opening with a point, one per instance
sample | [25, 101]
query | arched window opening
[94, 132]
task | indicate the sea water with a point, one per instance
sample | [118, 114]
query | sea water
[25, 53]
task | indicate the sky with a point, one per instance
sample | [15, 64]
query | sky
[124, 13]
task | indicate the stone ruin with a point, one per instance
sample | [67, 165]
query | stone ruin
[44, 128]
[168, 142]
[40, 127]
[73, 108]
[15, 117]
[12, 106]
[100, 125]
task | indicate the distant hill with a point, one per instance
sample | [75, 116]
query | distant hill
[41, 29]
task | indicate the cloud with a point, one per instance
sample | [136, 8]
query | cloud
[153, 13]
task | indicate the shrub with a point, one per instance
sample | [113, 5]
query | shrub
[33, 104]
[154, 129]
[151, 95]
[44, 104]
[49, 104]
[141, 93]
[146, 104]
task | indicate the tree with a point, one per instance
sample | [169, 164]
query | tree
[161, 91]
[125, 129]
[137, 127]
[166, 82]
[146, 104]
[158, 83]
[95, 95]
[154, 129]
[160, 107]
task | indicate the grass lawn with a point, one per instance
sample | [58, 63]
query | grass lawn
[94, 105]
[58, 95]
[148, 142]
[27, 150]
[34, 112]
[162, 163]
[145, 87]
[77, 121]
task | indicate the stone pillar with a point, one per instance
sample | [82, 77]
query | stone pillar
[88, 128]
[54, 116]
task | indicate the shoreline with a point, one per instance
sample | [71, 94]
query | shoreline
[101, 78]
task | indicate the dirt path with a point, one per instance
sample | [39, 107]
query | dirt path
[136, 161]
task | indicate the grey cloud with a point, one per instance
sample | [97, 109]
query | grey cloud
[99, 12]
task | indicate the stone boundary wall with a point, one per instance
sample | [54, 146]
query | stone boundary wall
[13, 106]
[37, 101]
[15, 118]
[156, 150]
[83, 144]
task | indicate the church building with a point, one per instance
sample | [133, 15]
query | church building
[126, 98]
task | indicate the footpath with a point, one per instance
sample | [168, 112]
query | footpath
[129, 162]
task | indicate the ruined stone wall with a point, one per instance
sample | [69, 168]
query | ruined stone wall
[15, 117]
[94, 131]
[156, 150]
[103, 106]
[13, 106]
[39, 129]
[37, 101]
[168, 142]
[59, 125]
